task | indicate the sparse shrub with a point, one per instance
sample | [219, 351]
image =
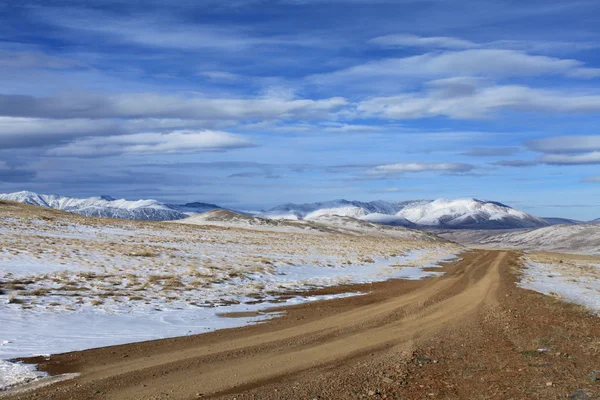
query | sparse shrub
[155, 278]
[39, 292]
[15, 286]
[144, 253]
[13, 299]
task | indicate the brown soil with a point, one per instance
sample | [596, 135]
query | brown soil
[471, 334]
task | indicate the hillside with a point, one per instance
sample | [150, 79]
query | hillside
[581, 238]
[322, 224]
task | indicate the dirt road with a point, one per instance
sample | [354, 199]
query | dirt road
[469, 334]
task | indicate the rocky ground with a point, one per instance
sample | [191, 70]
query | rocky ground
[471, 334]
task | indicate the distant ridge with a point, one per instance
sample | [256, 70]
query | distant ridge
[562, 221]
[108, 207]
[441, 213]
[469, 213]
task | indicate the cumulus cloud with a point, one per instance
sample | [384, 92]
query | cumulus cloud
[154, 143]
[148, 105]
[406, 40]
[393, 169]
[443, 99]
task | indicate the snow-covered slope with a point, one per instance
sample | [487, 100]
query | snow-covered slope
[230, 219]
[580, 238]
[343, 208]
[441, 213]
[323, 224]
[468, 214]
[107, 207]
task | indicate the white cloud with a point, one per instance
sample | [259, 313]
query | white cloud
[439, 42]
[571, 159]
[28, 132]
[454, 43]
[476, 102]
[565, 144]
[567, 150]
[37, 132]
[392, 169]
[153, 143]
[472, 62]
[150, 105]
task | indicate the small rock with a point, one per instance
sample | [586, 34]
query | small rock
[542, 350]
[548, 383]
[371, 393]
[387, 380]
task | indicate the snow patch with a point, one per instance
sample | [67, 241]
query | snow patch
[16, 373]
[577, 282]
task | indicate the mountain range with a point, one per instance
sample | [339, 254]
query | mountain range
[437, 214]
[440, 213]
[107, 207]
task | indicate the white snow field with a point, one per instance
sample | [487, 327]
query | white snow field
[71, 283]
[576, 280]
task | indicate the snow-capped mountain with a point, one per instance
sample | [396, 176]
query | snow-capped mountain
[374, 211]
[107, 207]
[468, 214]
[441, 213]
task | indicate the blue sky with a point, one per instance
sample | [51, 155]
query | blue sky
[252, 103]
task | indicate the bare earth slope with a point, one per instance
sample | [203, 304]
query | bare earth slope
[471, 334]
[331, 224]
